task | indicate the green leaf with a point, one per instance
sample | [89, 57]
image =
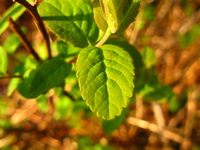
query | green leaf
[15, 11]
[129, 16]
[151, 89]
[67, 51]
[42, 103]
[111, 125]
[52, 73]
[136, 56]
[3, 60]
[25, 83]
[64, 107]
[149, 57]
[12, 42]
[105, 77]
[71, 20]
[115, 15]
[22, 69]
[99, 16]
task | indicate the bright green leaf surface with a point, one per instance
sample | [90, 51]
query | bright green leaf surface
[52, 73]
[71, 20]
[105, 78]
[3, 60]
[116, 15]
[42, 103]
[12, 42]
[136, 56]
[149, 57]
[64, 107]
[130, 15]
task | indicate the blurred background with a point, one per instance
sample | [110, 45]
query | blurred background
[168, 28]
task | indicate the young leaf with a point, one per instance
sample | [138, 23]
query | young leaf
[71, 20]
[105, 78]
[116, 15]
[3, 60]
[129, 16]
[50, 74]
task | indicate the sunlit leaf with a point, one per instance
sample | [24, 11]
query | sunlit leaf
[115, 15]
[3, 60]
[12, 42]
[105, 77]
[71, 20]
[136, 56]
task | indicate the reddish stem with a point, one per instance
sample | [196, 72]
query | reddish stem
[23, 38]
[33, 11]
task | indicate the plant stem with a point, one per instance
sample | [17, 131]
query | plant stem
[33, 11]
[11, 76]
[23, 38]
[73, 60]
[104, 39]
[69, 95]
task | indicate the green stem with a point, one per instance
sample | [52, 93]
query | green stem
[104, 38]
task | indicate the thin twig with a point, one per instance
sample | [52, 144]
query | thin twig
[139, 107]
[11, 76]
[23, 38]
[189, 123]
[33, 11]
[154, 128]
[69, 95]
[159, 116]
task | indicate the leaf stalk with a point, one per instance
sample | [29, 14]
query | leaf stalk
[104, 38]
